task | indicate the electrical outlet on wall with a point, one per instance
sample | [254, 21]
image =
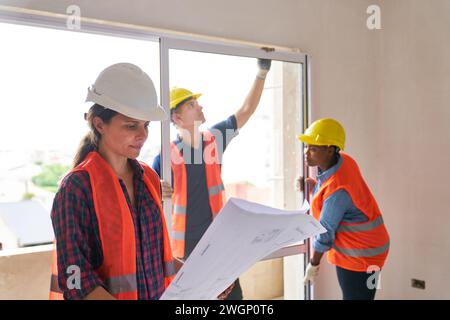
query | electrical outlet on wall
[418, 284]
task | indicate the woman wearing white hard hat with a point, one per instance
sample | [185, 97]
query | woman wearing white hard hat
[356, 240]
[111, 236]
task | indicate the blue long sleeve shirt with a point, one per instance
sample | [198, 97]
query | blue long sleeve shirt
[337, 208]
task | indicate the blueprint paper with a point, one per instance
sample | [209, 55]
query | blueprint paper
[242, 234]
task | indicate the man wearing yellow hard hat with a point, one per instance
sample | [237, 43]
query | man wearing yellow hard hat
[198, 191]
[356, 240]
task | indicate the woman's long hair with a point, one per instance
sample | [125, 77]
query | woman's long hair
[91, 141]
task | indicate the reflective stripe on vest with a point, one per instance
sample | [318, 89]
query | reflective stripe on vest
[177, 209]
[357, 253]
[356, 246]
[366, 226]
[121, 284]
[118, 270]
[216, 189]
[114, 285]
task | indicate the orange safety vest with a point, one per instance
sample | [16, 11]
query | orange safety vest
[214, 183]
[357, 245]
[118, 270]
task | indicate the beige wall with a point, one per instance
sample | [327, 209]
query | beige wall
[25, 274]
[263, 281]
[414, 146]
[405, 148]
[390, 89]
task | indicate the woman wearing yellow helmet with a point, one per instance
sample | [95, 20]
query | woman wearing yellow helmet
[356, 240]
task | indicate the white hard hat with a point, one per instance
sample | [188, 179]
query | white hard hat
[125, 88]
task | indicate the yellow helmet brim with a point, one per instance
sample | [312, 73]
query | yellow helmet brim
[174, 104]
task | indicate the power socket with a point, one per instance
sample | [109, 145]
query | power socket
[418, 284]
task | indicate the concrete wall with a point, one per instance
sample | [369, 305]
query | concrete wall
[389, 88]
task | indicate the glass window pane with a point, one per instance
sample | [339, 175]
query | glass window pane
[44, 78]
[254, 163]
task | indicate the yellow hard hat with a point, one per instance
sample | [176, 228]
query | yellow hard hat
[178, 95]
[324, 132]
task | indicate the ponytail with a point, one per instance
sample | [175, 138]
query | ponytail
[91, 140]
[87, 145]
